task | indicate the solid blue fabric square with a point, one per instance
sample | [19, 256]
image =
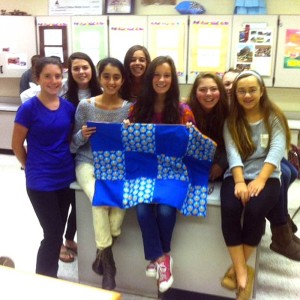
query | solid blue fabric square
[108, 193]
[170, 135]
[173, 195]
[111, 137]
[138, 164]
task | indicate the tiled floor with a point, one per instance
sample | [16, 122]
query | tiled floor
[20, 235]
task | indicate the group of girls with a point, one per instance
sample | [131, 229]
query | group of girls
[251, 133]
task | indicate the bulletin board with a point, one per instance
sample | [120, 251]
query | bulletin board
[253, 46]
[167, 35]
[287, 73]
[209, 44]
[54, 37]
[125, 32]
[89, 35]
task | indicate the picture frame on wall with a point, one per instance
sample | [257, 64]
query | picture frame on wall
[119, 7]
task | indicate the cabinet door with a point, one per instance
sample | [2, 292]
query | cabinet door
[17, 44]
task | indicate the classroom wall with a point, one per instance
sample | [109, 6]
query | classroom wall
[288, 99]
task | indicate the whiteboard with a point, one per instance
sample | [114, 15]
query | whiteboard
[125, 32]
[167, 35]
[287, 73]
[89, 35]
[209, 44]
[254, 39]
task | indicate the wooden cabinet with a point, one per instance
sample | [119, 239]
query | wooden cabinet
[17, 44]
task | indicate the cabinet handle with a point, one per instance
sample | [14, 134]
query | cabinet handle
[1, 69]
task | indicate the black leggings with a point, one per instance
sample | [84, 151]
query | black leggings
[249, 229]
[51, 209]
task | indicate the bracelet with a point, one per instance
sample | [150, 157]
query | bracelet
[239, 182]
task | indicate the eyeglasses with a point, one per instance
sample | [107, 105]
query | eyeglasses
[205, 90]
[244, 92]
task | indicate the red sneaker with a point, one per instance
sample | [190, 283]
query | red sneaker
[164, 273]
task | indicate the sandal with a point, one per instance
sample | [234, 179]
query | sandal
[71, 245]
[65, 255]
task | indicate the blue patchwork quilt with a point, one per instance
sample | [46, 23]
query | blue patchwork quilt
[149, 163]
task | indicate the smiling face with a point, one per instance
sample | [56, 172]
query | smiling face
[249, 92]
[111, 80]
[50, 79]
[138, 63]
[207, 94]
[162, 79]
[81, 72]
[228, 79]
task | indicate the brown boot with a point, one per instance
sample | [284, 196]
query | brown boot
[283, 242]
[109, 269]
[97, 264]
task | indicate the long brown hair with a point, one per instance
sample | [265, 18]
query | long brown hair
[144, 108]
[238, 125]
[210, 124]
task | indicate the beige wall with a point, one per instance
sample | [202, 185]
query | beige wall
[287, 99]
[40, 7]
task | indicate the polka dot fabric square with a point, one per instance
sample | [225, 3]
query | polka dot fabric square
[150, 163]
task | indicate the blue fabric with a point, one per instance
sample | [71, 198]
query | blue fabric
[250, 7]
[148, 163]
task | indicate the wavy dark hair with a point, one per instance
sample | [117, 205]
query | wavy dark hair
[238, 125]
[143, 111]
[210, 124]
[129, 78]
[94, 86]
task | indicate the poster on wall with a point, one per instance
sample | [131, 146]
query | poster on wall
[75, 7]
[292, 49]
[254, 50]
[159, 41]
[12, 59]
[126, 32]
[208, 47]
[90, 38]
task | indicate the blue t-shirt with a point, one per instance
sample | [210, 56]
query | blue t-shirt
[49, 164]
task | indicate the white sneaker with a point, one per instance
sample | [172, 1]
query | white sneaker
[151, 269]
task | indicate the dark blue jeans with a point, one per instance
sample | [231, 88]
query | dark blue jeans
[278, 215]
[157, 223]
[51, 208]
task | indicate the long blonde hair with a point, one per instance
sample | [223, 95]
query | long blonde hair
[238, 125]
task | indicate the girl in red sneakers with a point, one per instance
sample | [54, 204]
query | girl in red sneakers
[159, 104]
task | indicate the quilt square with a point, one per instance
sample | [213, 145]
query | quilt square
[109, 165]
[111, 136]
[138, 191]
[171, 168]
[168, 137]
[139, 138]
[140, 164]
[108, 193]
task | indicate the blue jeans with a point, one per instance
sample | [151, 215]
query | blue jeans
[157, 223]
[278, 215]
